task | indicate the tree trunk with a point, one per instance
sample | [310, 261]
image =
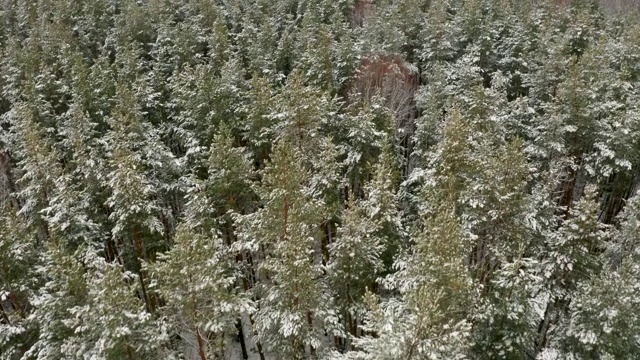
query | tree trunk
[140, 252]
[258, 344]
[243, 346]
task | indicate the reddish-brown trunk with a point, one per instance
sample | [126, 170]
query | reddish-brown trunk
[200, 344]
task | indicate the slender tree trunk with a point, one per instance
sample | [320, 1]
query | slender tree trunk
[139, 246]
[199, 339]
[243, 346]
[5, 171]
[255, 333]
[200, 344]
[567, 198]
[246, 285]
[543, 327]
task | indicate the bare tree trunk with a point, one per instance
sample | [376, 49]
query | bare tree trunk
[243, 346]
[258, 344]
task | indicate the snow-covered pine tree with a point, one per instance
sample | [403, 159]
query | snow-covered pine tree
[604, 304]
[37, 158]
[197, 283]
[74, 212]
[136, 159]
[19, 281]
[64, 288]
[430, 319]
[204, 308]
[114, 323]
[571, 259]
[367, 241]
[355, 261]
[295, 308]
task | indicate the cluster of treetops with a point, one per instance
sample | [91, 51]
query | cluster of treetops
[319, 179]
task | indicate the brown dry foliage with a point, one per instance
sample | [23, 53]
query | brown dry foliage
[391, 78]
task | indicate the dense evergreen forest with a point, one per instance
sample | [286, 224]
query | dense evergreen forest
[319, 179]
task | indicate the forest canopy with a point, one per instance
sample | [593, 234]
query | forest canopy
[319, 179]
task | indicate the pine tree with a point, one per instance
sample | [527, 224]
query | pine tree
[65, 288]
[196, 280]
[73, 214]
[136, 211]
[431, 318]
[19, 281]
[295, 308]
[228, 188]
[603, 312]
[114, 323]
[211, 293]
[355, 263]
[38, 159]
[570, 261]
[361, 132]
